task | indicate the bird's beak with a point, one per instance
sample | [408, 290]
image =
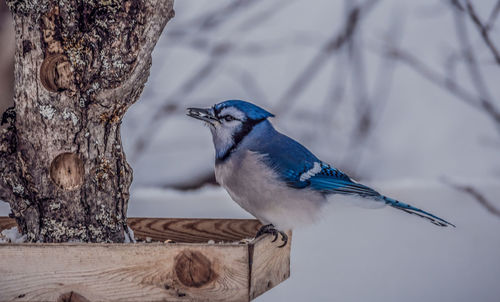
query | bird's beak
[206, 115]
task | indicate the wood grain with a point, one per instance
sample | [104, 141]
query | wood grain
[270, 265]
[194, 230]
[115, 272]
[183, 271]
[67, 171]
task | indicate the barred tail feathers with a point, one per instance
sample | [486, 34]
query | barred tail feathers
[412, 210]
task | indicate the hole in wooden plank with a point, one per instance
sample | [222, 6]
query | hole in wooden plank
[193, 269]
[67, 171]
[72, 297]
[55, 73]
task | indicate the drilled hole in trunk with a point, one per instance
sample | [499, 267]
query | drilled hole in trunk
[67, 171]
[55, 73]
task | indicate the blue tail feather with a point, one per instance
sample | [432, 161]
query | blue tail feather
[412, 210]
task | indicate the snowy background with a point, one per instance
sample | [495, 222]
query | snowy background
[362, 104]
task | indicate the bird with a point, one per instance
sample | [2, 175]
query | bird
[274, 177]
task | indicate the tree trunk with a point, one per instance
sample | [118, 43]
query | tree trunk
[79, 65]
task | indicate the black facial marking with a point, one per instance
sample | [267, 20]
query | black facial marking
[246, 127]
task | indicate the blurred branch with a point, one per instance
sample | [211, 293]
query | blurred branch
[198, 77]
[249, 83]
[264, 15]
[317, 63]
[482, 100]
[467, 51]
[213, 19]
[247, 49]
[481, 27]
[359, 85]
[218, 53]
[471, 62]
[371, 105]
[478, 196]
[198, 182]
[493, 16]
[447, 83]
[450, 65]
[337, 90]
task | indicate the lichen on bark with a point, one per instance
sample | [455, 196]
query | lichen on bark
[79, 65]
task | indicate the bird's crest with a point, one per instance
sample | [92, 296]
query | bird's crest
[252, 111]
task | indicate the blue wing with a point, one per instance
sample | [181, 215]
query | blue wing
[300, 169]
[333, 181]
[291, 160]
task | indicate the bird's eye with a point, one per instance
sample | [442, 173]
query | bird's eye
[228, 118]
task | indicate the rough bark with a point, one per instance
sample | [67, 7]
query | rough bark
[79, 65]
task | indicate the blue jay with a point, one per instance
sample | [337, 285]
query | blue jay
[275, 178]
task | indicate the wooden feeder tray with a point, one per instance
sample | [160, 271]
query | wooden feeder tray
[208, 260]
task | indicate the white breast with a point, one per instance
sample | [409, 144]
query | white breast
[257, 189]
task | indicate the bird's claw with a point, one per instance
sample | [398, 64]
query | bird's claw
[270, 229]
[275, 236]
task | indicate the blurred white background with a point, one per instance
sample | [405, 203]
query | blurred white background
[368, 113]
[402, 95]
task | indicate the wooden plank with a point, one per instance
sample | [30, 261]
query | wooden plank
[183, 229]
[269, 265]
[194, 230]
[118, 272]
[189, 270]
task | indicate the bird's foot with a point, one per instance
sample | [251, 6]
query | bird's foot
[270, 229]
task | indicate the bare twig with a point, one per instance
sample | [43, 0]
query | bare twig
[198, 182]
[467, 51]
[478, 196]
[340, 76]
[450, 65]
[169, 107]
[316, 64]
[493, 16]
[337, 90]
[376, 101]
[446, 83]
[361, 101]
[214, 18]
[264, 47]
[483, 30]
[359, 86]
[249, 83]
[482, 100]
[218, 53]
[264, 15]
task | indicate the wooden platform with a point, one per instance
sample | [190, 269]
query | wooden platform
[191, 269]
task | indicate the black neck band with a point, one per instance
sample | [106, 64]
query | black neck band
[238, 137]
